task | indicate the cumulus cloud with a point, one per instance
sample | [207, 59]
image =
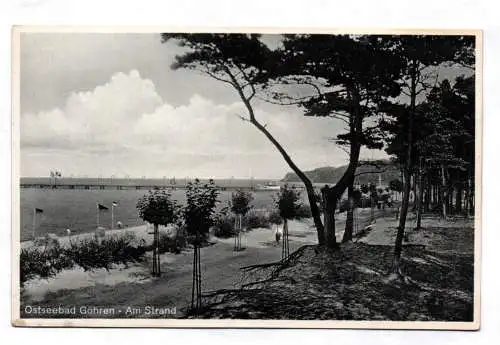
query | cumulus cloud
[126, 124]
[102, 115]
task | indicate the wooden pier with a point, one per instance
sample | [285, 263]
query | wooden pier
[138, 184]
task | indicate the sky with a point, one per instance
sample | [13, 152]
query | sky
[109, 104]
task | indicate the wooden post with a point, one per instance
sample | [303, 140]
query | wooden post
[112, 215]
[97, 206]
[34, 223]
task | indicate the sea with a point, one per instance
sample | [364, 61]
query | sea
[76, 208]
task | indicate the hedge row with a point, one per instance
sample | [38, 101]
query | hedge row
[44, 260]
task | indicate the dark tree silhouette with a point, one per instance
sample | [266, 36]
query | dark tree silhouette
[342, 86]
[420, 54]
[354, 89]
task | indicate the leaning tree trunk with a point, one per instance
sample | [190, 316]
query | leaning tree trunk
[331, 195]
[398, 248]
[329, 207]
[354, 128]
[349, 223]
[398, 245]
[311, 195]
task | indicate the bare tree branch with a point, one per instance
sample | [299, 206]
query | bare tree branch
[215, 76]
[247, 79]
[242, 118]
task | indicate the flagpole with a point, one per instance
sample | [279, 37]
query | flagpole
[97, 205]
[34, 222]
[112, 215]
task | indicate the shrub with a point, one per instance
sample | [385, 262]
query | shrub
[171, 244]
[122, 250]
[89, 254]
[224, 225]
[47, 259]
[92, 253]
[275, 218]
[255, 220]
[42, 262]
[303, 211]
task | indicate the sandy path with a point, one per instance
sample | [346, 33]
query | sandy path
[141, 232]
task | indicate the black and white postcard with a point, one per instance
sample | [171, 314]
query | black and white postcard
[239, 178]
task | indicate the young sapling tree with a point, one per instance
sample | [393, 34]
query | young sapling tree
[157, 208]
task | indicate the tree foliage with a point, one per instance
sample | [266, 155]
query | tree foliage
[341, 84]
[421, 55]
[199, 212]
[288, 202]
[157, 207]
[240, 202]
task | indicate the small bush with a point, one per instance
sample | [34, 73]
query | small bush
[224, 223]
[224, 226]
[255, 220]
[122, 249]
[48, 258]
[171, 244]
[275, 218]
[89, 254]
[303, 211]
[42, 263]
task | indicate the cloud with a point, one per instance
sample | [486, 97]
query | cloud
[103, 115]
[126, 120]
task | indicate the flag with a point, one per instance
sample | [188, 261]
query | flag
[115, 203]
[38, 210]
[101, 207]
